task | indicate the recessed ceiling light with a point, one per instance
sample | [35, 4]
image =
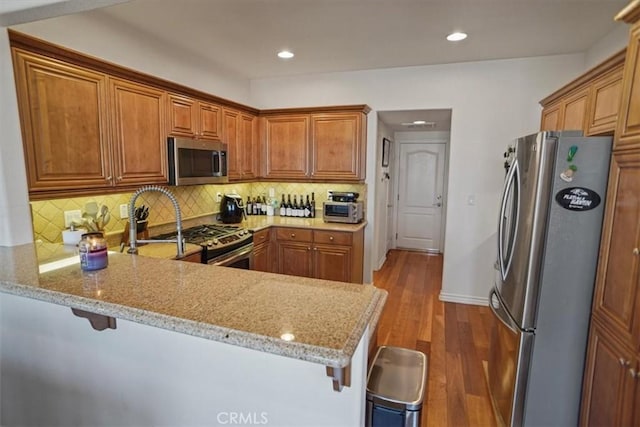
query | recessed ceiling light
[285, 54]
[419, 122]
[456, 37]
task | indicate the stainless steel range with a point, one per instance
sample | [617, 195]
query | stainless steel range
[225, 245]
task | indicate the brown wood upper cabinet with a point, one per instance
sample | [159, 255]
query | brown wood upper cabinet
[323, 145]
[84, 130]
[139, 140]
[286, 146]
[589, 103]
[337, 146]
[241, 136]
[193, 118]
[65, 125]
[629, 124]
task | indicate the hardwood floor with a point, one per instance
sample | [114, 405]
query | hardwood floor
[455, 338]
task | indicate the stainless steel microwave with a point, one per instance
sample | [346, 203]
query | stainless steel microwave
[193, 161]
[349, 212]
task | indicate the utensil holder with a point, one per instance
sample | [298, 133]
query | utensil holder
[142, 233]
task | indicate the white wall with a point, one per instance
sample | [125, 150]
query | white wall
[97, 33]
[15, 215]
[610, 44]
[381, 189]
[493, 102]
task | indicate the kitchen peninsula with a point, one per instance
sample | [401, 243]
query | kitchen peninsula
[192, 344]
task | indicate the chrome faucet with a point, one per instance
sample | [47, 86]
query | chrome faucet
[133, 241]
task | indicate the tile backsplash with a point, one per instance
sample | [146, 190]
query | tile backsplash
[195, 201]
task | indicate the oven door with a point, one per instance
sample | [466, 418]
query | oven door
[238, 258]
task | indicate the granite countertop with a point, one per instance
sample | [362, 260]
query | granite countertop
[240, 307]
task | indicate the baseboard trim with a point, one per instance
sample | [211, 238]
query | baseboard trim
[463, 299]
[381, 262]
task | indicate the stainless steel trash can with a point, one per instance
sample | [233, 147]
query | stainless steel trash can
[396, 386]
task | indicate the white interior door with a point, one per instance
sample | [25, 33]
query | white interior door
[420, 198]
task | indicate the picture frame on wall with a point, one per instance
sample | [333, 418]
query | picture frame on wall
[386, 148]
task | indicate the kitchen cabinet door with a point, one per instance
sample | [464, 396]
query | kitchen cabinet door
[194, 119]
[631, 405]
[182, 116]
[209, 121]
[139, 135]
[63, 110]
[294, 258]
[249, 146]
[337, 146]
[617, 299]
[605, 103]
[286, 146]
[574, 111]
[332, 262]
[606, 380]
[551, 117]
[231, 138]
[628, 130]
[242, 148]
[263, 255]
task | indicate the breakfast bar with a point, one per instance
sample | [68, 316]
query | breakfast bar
[178, 343]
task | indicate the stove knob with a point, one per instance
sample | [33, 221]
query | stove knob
[209, 243]
[215, 241]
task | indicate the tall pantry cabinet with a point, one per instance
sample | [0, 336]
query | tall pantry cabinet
[611, 389]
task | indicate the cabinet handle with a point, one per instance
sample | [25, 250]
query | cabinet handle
[308, 248]
[331, 238]
[636, 251]
[623, 362]
[119, 178]
[293, 235]
[315, 249]
[108, 178]
[633, 373]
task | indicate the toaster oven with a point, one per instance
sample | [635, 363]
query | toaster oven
[348, 212]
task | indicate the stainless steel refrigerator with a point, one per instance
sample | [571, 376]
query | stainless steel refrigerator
[548, 240]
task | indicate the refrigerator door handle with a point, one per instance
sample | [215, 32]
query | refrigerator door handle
[504, 264]
[499, 311]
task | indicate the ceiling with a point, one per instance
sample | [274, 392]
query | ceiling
[243, 36]
[402, 120]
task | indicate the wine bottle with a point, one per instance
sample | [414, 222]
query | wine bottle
[289, 206]
[301, 207]
[294, 209]
[307, 208]
[255, 206]
[313, 205]
[263, 206]
[249, 207]
[283, 207]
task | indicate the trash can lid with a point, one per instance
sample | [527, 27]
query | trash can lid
[398, 375]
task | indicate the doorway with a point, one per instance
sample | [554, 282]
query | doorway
[414, 194]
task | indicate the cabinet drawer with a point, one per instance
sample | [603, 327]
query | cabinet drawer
[294, 234]
[332, 237]
[261, 236]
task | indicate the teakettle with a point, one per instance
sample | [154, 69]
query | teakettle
[231, 209]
